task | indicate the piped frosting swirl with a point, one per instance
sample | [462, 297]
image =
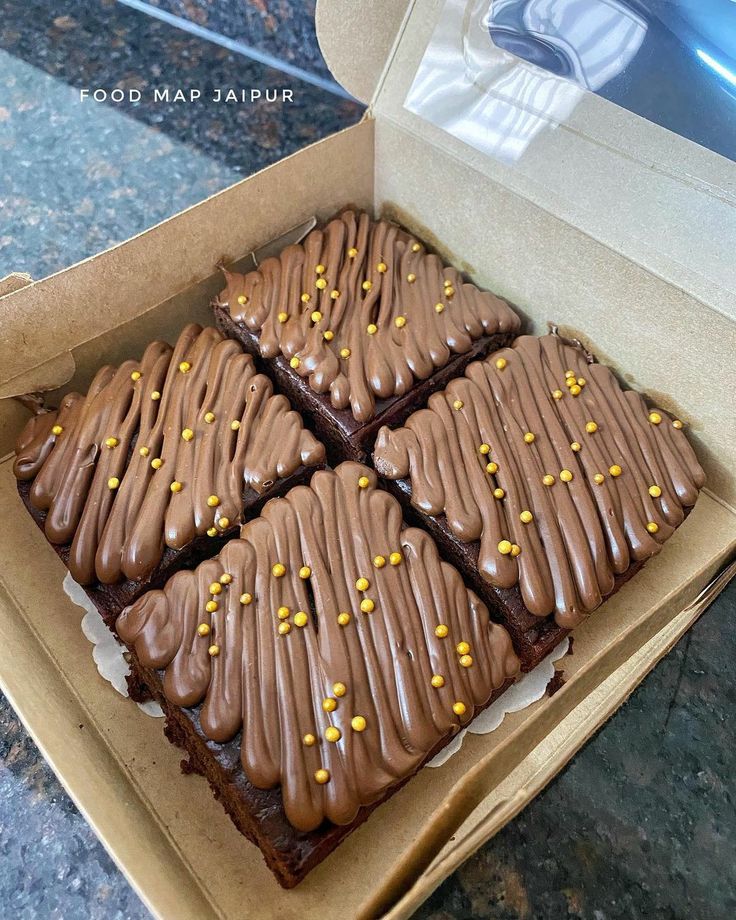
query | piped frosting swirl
[563, 477]
[362, 311]
[157, 453]
[335, 640]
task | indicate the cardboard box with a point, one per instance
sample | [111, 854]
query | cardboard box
[668, 327]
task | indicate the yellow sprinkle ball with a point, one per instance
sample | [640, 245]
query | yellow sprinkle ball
[484, 449]
[441, 631]
[358, 724]
[322, 777]
[223, 522]
[305, 298]
[528, 438]
[548, 480]
[526, 517]
[367, 285]
[501, 363]
[111, 442]
[498, 493]
[462, 648]
[155, 396]
[282, 317]
[144, 451]
[504, 547]
[566, 475]
[301, 619]
[466, 661]
[343, 619]
[176, 486]
[439, 307]
[615, 470]
[283, 613]
[491, 467]
[246, 599]
[136, 375]
[211, 606]
[437, 681]
[226, 578]
[213, 651]
[278, 570]
[371, 329]
[576, 446]
[320, 283]
[305, 572]
[591, 427]
[362, 584]
[209, 417]
[316, 316]
[295, 362]
[213, 501]
[515, 549]
[395, 558]
[320, 269]
[655, 418]
[352, 252]
[575, 390]
[379, 561]
[203, 629]
[113, 482]
[677, 423]
[459, 708]
[235, 424]
[57, 429]
[215, 588]
[458, 404]
[332, 734]
[284, 629]
[185, 367]
[400, 322]
[339, 689]
[309, 739]
[364, 482]
[334, 294]
[599, 478]
[411, 277]
[655, 491]
[328, 335]
[242, 300]
[211, 531]
[187, 434]
[652, 527]
[557, 394]
[382, 267]
[344, 352]
[329, 704]
[367, 605]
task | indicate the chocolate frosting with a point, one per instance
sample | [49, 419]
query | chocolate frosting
[317, 301]
[562, 476]
[322, 671]
[158, 452]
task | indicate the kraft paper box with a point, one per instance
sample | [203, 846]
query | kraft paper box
[666, 322]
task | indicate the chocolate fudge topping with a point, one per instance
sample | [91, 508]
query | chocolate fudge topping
[563, 477]
[339, 642]
[362, 311]
[158, 452]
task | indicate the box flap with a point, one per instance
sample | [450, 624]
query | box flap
[659, 199]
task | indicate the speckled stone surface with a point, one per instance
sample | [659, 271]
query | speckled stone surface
[642, 823]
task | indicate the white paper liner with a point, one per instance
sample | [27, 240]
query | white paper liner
[107, 652]
[530, 688]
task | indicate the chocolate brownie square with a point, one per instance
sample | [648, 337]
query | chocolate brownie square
[359, 324]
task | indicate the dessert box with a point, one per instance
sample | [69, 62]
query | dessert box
[668, 324]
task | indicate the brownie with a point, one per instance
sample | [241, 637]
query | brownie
[544, 482]
[316, 664]
[155, 466]
[359, 325]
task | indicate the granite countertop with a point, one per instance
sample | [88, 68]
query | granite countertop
[642, 822]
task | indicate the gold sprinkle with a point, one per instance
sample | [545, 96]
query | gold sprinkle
[334, 294]
[504, 547]
[309, 739]
[209, 417]
[570, 383]
[333, 734]
[382, 267]
[213, 651]
[213, 501]
[548, 480]
[215, 588]
[652, 527]
[526, 517]
[155, 396]
[187, 434]
[328, 335]
[367, 605]
[203, 629]
[352, 252]
[367, 285]
[316, 316]
[57, 429]
[282, 317]
[458, 404]
[295, 362]
[599, 478]
[484, 449]
[176, 486]
[655, 491]
[615, 470]
[322, 776]
[113, 482]
[305, 298]
[364, 482]
[557, 394]
[498, 493]
[226, 578]
[283, 613]
[344, 352]
[501, 363]
[358, 724]
[371, 329]
[466, 661]
[223, 522]
[211, 606]
[581, 381]
[185, 367]
[320, 269]
[655, 418]
[575, 390]
[144, 451]
[462, 648]
[278, 570]
[515, 549]
[246, 599]
[491, 467]
[329, 704]
[411, 277]
[242, 300]
[677, 423]
[439, 307]
[437, 681]
[305, 572]
[441, 631]
[566, 475]
[339, 689]
[528, 438]
[235, 424]
[415, 247]
[447, 283]
[591, 427]
[343, 619]
[211, 531]
[320, 283]
[111, 442]
[400, 322]
[379, 561]
[459, 708]
[395, 558]
[362, 584]
[284, 629]
[569, 374]
[576, 446]
[136, 375]
[301, 619]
